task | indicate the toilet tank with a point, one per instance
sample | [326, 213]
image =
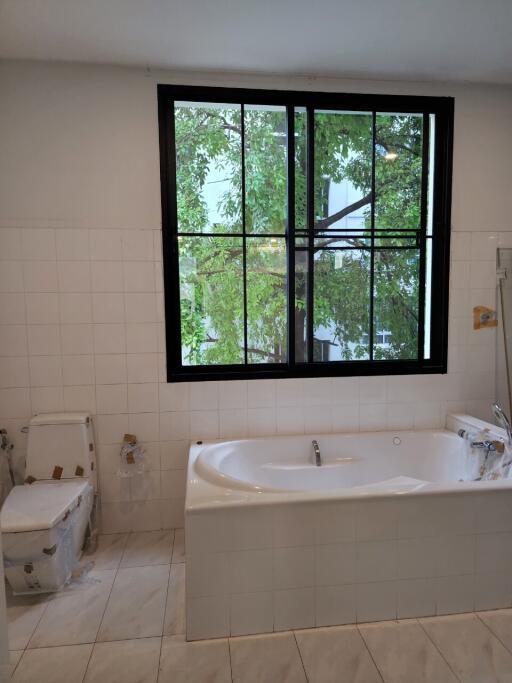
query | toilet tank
[61, 440]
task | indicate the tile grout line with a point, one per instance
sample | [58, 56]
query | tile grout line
[300, 655]
[381, 675]
[230, 662]
[165, 608]
[437, 648]
[108, 599]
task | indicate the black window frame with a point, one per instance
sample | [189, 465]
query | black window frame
[441, 107]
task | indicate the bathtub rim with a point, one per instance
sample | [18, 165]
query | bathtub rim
[202, 494]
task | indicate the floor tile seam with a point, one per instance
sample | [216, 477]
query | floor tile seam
[43, 612]
[370, 654]
[230, 660]
[107, 601]
[495, 635]
[300, 656]
[418, 621]
[165, 613]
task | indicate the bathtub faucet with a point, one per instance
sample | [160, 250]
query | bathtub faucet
[318, 457]
[503, 421]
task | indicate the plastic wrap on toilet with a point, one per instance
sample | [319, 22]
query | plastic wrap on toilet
[45, 564]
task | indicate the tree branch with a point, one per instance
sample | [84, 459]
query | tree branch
[326, 222]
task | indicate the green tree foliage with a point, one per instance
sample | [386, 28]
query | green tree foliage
[208, 145]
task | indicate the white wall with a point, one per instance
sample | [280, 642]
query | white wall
[81, 303]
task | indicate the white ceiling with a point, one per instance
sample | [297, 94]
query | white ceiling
[468, 40]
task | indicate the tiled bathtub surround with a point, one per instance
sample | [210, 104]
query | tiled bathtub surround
[274, 568]
[81, 312]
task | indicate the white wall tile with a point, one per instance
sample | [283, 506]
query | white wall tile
[72, 244]
[376, 601]
[294, 567]
[74, 276]
[142, 367]
[15, 402]
[108, 308]
[78, 370]
[250, 571]
[110, 368]
[47, 399]
[137, 245]
[77, 339]
[75, 308]
[335, 605]
[145, 426]
[251, 613]
[294, 608]
[111, 399]
[141, 338]
[38, 276]
[174, 396]
[10, 244]
[12, 308]
[204, 395]
[13, 340]
[43, 340]
[42, 308]
[105, 245]
[143, 398]
[110, 338]
[107, 276]
[45, 371]
[38, 244]
[14, 372]
[81, 398]
[261, 393]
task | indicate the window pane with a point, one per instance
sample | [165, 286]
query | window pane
[395, 308]
[343, 170]
[208, 167]
[211, 299]
[341, 304]
[266, 198]
[398, 167]
[266, 300]
[301, 217]
[301, 296]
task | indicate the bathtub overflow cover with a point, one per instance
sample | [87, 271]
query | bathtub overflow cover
[397, 440]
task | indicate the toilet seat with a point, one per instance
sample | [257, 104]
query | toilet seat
[41, 505]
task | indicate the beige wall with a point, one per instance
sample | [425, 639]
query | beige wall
[81, 310]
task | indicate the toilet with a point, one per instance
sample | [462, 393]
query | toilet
[44, 521]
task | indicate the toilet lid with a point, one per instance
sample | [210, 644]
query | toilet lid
[33, 507]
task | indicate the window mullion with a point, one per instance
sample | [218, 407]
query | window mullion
[372, 237]
[310, 177]
[425, 165]
[244, 232]
[290, 233]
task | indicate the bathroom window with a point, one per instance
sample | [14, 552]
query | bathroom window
[304, 234]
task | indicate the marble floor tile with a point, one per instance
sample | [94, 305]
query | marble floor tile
[404, 653]
[145, 548]
[500, 623]
[178, 551]
[23, 615]
[472, 651]
[53, 665]
[204, 661]
[174, 623]
[73, 617]
[261, 659]
[136, 605]
[129, 661]
[334, 654]
[109, 551]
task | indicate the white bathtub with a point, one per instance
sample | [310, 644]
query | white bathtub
[393, 524]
